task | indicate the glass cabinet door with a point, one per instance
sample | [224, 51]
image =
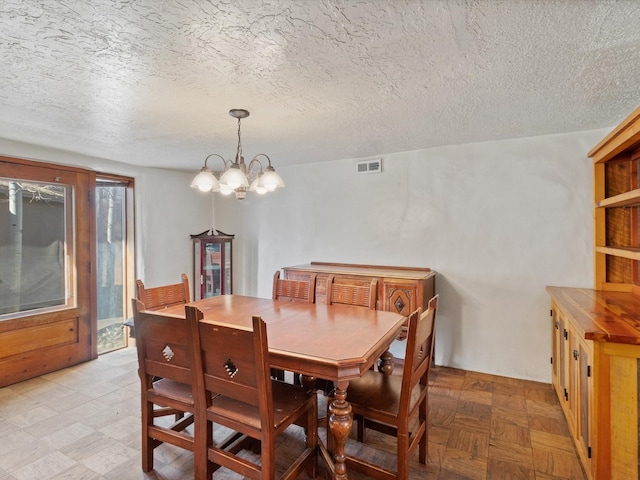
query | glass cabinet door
[211, 270]
[213, 265]
[226, 287]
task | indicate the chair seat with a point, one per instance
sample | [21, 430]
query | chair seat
[287, 398]
[164, 368]
[232, 362]
[173, 390]
[397, 405]
[380, 393]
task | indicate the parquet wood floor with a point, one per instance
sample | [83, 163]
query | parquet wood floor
[84, 423]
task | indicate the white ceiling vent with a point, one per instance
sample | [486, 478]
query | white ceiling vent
[370, 166]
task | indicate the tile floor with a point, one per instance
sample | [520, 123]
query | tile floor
[83, 423]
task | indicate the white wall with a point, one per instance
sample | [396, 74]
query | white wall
[167, 210]
[498, 221]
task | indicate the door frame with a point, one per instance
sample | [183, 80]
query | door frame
[36, 342]
[129, 269]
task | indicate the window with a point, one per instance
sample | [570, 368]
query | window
[36, 246]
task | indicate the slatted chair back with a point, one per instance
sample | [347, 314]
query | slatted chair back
[398, 405]
[419, 355]
[165, 370]
[294, 290]
[351, 294]
[165, 295]
[302, 291]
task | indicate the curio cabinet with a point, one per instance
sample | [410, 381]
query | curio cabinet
[213, 264]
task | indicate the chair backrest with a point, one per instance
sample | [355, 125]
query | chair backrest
[163, 346]
[294, 290]
[233, 360]
[349, 294]
[419, 352]
[165, 295]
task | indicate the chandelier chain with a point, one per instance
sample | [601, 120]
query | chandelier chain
[239, 150]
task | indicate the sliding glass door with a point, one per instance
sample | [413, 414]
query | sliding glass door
[112, 279]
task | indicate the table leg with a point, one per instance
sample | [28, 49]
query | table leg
[308, 382]
[385, 364]
[340, 421]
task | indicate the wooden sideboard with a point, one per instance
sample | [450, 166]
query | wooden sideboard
[596, 374]
[400, 289]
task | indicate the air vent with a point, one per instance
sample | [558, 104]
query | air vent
[370, 166]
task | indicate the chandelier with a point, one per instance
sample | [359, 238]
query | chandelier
[238, 177]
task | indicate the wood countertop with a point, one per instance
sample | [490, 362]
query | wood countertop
[601, 315]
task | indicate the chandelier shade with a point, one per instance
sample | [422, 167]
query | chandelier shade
[256, 186]
[205, 181]
[234, 178]
[271, 180]
[239, 177]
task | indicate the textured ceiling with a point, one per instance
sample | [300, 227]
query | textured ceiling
[150, 82]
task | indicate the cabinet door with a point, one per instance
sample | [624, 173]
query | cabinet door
[556, 343]
[563, 376]
[585, 411]
[211, 269]
[400, 297]
[226, 285]
[572, 376]
[567, 376]
[213, 266]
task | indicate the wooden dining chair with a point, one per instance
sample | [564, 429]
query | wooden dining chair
[165, 295]
[364, 295]
[164, 367]
[352, 294]
[397, 405]
[294, 290]
[235, 360]
[303, 291]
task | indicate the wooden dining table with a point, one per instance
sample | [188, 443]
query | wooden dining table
[332, 342]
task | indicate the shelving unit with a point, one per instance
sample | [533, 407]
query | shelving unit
[595, 333]
[617, 207]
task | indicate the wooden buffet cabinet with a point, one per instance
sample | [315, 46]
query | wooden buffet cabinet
[596, 332]
[400, 289]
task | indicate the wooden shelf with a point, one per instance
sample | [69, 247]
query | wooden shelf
[616, 193]
[624, 252]
[626, 199]
[623, 137]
